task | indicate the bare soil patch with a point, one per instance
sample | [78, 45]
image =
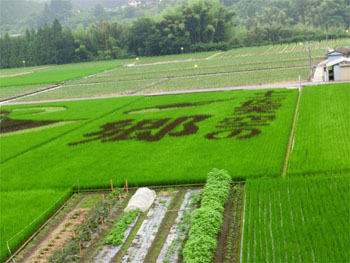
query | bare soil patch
[58, 236]
[229, 237]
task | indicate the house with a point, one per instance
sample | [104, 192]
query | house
[338, 53]
[335, 68]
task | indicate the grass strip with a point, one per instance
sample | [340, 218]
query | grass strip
[291, 136]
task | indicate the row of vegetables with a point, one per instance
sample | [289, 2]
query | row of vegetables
[207, 220]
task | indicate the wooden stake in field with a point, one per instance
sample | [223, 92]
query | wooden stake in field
[102, 222]
[103, 198]
[61, 247]
[120, 199]
[73, 234]
[112, 186]
[126, 185]
[91, 236]
[84, 219]
[110, 213]
[80, 252]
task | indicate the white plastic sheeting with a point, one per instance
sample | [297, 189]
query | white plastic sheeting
[142, 199]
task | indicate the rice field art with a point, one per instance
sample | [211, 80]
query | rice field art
[74, 157]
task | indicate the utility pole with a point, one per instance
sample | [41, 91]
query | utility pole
[310, 58]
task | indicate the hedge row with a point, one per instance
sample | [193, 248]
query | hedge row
[207, 220]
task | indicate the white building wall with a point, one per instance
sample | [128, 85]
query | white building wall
[345, 73]
[337, 73]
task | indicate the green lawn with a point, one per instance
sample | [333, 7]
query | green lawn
[322, 136]
[297, 219]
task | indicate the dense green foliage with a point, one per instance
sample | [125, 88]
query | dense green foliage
[207, 220]
[116, 235]
[22, 212]
[192, 24]
[202, 25]
[321, 140]
[299, 219]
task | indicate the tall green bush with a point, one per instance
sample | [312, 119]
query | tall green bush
[207, 220]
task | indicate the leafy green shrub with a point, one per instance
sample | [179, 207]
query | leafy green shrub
[207, 220]
[199, 249]
[213, 204]
[117, 234]
[217, 175]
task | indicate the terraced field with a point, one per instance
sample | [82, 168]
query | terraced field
[237, 67]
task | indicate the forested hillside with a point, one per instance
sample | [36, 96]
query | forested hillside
[62, 33]
[17, 16]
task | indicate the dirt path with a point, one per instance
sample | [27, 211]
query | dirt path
[17, 74]
[229, 237]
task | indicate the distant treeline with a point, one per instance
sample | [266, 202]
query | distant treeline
[197, 26]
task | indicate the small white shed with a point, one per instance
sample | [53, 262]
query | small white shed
[333, 70]
[338, 69]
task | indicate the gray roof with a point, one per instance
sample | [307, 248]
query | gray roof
[343, 50]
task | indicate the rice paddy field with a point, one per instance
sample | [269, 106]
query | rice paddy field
[298, 219]
[204, 70]
[49, 149]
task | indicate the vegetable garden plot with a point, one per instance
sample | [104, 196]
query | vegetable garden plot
[298, 219]
[321, 139]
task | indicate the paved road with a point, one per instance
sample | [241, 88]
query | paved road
[290, 85]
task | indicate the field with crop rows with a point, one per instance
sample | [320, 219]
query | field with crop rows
[299, 219]
[237, 67]
[321, 139]
[50, 148]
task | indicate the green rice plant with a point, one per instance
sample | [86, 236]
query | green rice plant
[56, 74]
[23, 211]
[92, 90]
[7, 92]
[231, 79]
[303, 219]
[321, 139]
[69, 117]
